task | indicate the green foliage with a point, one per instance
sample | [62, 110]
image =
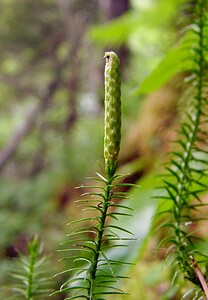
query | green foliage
[172, 64]
[36, 59]
[31, 274]
[115, 32]
[92, 240]
[118, 31]
[16, 207]
[187, 177]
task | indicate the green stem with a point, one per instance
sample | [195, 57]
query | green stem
[30, 278]
[185, 179]
[99, 240]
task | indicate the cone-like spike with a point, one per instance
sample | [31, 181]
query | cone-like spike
[112, 135]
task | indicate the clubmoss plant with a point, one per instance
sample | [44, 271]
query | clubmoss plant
[187, 177]
[30, 275]
[91, 271]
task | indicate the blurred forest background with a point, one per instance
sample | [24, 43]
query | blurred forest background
[51, 98]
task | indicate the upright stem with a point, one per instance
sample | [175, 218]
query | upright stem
[99, 240]
[184, 181]
[30, 278]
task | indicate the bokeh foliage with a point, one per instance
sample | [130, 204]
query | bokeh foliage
[51, 114]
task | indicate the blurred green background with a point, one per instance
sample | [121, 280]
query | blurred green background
[51, 119]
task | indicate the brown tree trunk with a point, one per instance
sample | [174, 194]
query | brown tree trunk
[117, 8]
